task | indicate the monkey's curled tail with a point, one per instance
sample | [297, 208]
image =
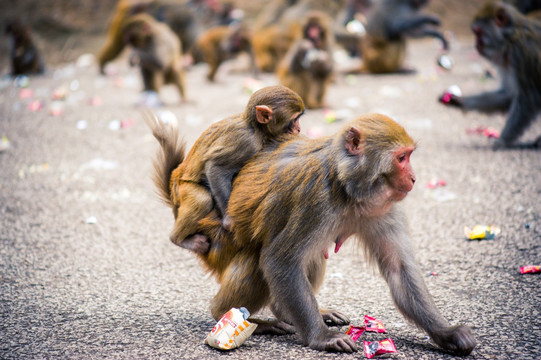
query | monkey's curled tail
[170, 155]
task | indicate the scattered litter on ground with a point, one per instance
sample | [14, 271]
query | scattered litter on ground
[446, 62]
[91, 220]
[375, 348]
[355, 332]
[481, 232]
[530, 269]
[231, 330]
[99, 164]
[435, 183]
[373, 324]
[488, 132]
[4, 143]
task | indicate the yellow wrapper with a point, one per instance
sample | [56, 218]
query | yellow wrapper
[231, 330]
[481, 232]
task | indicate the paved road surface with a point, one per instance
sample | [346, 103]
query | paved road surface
[118, 289]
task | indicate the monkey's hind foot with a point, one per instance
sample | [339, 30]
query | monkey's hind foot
[333, 317]
[457, 339]
[273, 327]
[197, 243]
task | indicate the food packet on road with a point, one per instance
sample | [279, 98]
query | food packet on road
[374, 348]
[530, 269]
[355, 332]
[231, 330]
[372, 324]
[479, 232]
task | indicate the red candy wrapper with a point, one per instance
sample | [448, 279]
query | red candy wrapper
[355, 332]
[372, 324]
[530, 269]
[374, 348]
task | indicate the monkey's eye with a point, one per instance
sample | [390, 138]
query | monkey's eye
[401, 158]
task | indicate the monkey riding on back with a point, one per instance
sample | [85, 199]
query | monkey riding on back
[295, 199]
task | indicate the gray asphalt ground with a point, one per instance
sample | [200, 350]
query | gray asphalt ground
[118, 289]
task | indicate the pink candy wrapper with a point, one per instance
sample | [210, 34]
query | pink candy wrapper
[355, 332]
[374, 348]
[372, 324]
[530, 269]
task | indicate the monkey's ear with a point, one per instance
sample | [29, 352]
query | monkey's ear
[354, 141]
[501, 18]
[263, 114]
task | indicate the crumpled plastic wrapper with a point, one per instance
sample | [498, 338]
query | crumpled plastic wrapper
[355, 332]
[481, 232]
[530, 269]
[373, 324]
[231, 330]
[375, 348]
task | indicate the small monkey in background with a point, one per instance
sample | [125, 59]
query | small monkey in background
[185, 18]
[222, 43]
[308, 65]
[512, 42]
[390, 23]
[25, 56]
[158, 52]
[294, 200]
[196, 183]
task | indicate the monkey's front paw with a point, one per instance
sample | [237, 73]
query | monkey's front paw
[333, 341]
[458, 339]
[333, 317]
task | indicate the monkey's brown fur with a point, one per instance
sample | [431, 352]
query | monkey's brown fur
[203, 178]
[391, 22]
[158, 51]
[221, 43]
[294, 200]
[182, 17]
[308, 65]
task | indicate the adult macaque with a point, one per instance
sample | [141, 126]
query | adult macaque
[512, 42]
[202, 179]
[293, 201]
[25, 56]
[222, 43]
[391, 22]
[307, 67]
[185, 18]
[278, 27]
[157, 50]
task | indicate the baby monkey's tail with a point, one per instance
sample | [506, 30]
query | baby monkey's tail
[170, 155]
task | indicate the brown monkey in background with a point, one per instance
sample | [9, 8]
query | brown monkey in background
[25, 56]
[278, 27]
[186, 18]
[294, 200]
[512, 42]
[391, 22]
[308, 65]
[194, 184]
[222, 43]
[158, 52]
